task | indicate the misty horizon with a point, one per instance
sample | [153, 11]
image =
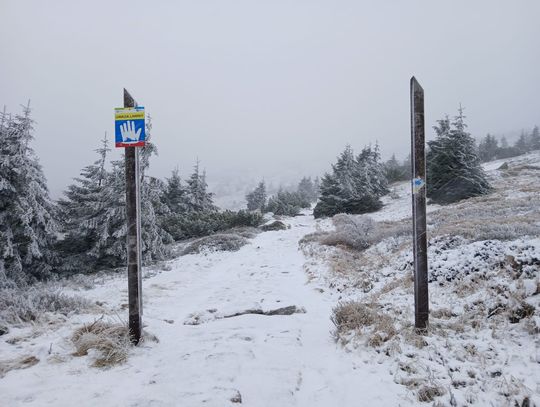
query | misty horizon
[258, 90]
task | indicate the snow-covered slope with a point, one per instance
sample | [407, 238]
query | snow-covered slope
[281, 360]
[207, 356]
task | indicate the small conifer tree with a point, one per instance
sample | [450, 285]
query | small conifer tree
[256, 199]
[27, 215]
[535, 139]
[354, 185]
[453, 166]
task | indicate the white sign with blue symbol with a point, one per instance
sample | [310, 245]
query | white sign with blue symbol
[418, 184]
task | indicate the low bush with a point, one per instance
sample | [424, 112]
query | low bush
[276, 225]
[287, 203]
[350, 231]
[218, 242]
[359, 232]
[29, 304]
[194, 224]
[331, 206]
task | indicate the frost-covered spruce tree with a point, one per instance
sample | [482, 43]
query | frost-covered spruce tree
[337, 187]
[535, 139]
[27, 214]
[153, 209]
[256, 199]
[200, 200]
[176, 194]
[354, 186]
[285, 203]
[522, 143]
[370, 172]
[488, 148]
[82, 217]
[396, 171]
[453, 166]
[108, 238]
[307, 190]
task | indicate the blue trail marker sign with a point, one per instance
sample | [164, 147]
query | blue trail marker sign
[129, 127]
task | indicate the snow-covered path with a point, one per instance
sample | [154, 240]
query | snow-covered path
[284, 360]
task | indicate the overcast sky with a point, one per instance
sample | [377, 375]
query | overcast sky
[258, 87]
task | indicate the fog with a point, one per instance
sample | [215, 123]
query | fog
[263, 88]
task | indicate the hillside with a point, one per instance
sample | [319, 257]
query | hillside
[255, 326]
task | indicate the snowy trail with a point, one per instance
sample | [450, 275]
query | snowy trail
[288, 360]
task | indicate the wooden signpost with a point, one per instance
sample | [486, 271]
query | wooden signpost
[130, 134]
[418, 158]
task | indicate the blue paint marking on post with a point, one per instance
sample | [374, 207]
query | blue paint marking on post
[129, 127]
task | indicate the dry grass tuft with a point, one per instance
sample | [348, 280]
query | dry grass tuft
[109, 340]
[428, 393]
[354, 316]
[22, 362]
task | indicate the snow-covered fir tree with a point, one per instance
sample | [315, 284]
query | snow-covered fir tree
[200, 200]
[395, 171]
[535, 139]
[256, 199]
[176, 194]
[453, 166]
[83, 224]
[522, 143]
[354, 185]
[488, 148]
[286, 203]
[99, 204]
[154, 237]
[307, 190]
[27, 215]
[370, 171]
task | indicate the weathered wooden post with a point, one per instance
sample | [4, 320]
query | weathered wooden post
[133, 214]
[418, 159]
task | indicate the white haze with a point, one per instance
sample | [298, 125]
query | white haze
[263, 88]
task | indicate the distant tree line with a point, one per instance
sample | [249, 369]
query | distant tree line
[490, 148]
[86, 229]
[287, 203]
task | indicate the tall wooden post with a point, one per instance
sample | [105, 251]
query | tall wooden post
[133, 236]
[418, 159]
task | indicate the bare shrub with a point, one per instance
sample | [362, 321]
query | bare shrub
[110, 340]
[351, 231]
[359, 232]
[218, 242]
[30, 304]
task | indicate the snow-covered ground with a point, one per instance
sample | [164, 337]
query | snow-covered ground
[206, 356]
[269, 360]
